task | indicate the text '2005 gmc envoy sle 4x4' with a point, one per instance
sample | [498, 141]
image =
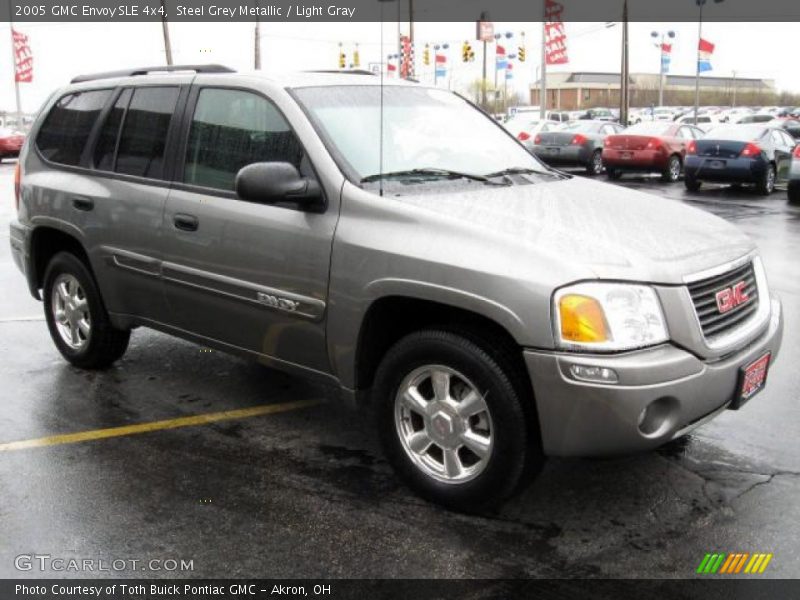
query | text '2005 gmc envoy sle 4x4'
[397, 243]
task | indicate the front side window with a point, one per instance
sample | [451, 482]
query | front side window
[231, 129]
[66, 128]
[144, 131]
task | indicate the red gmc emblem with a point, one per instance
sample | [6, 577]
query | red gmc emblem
[731, 297]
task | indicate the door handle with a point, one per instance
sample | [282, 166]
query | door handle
[185, 222]
[81, 203]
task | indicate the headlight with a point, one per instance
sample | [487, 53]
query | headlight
[608, 316]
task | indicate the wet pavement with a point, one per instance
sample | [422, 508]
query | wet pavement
[307, 494]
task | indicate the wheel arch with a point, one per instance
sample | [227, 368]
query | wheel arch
[45, 242]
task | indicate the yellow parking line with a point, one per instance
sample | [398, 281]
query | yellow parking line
[205, 419]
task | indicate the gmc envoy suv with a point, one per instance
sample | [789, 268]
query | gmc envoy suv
[391, 240]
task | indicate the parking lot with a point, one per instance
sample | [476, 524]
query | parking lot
[301, 490]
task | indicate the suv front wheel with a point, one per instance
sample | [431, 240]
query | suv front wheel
[452, 421]
[76, 317]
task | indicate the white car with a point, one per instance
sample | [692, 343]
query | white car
[524, 128]
[704, 121]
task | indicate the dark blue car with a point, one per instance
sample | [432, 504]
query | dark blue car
[740, 154]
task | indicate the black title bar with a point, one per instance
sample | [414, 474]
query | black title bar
[120, 11]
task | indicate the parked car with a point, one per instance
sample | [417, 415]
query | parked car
[663, 113]
[705, 122]
[651, 147]
[525, 129]
[734, 113]
[754, 118]
[11, 142]
[790, 126]
[740, 154]
[794, 177]
[492, 310]
[558, 115]
[575, 144]
[595, 114]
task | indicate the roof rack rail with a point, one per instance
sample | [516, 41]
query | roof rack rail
[146, 70]
[343, 71]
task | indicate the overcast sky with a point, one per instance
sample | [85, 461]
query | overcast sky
[62, 50]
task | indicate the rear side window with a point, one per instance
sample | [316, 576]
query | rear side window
[144, 131]
[66, 128]
[231, 129]
[106, 146]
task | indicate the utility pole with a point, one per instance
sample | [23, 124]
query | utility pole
[623, 85]
[734, 90]
[257, 45]
[165, 28]
[543, 79]
[700, 3]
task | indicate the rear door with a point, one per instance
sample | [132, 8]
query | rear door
[250, 275]
[131, 163]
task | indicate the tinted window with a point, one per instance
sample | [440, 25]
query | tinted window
[107, 142]
[65, 130]
[144, 131]
[232, 129]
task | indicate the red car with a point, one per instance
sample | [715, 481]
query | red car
[10, 143]
[649, 147]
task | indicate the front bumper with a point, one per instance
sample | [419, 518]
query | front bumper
[589, 419]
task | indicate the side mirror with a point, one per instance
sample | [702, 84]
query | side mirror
[276, 182]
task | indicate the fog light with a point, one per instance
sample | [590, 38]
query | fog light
[658, 417]
[594, 374]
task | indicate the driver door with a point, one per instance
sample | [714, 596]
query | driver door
[249, 275]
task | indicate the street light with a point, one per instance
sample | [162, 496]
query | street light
[660, 45]
[701, 4]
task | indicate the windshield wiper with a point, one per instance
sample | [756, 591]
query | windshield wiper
[431, 172]
[516, 171]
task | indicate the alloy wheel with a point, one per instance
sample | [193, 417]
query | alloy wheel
[71, 312]
[444, 424]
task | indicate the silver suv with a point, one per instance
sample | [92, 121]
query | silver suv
[395, 242]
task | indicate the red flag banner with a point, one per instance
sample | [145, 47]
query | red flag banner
[555, 37]
[23, 58]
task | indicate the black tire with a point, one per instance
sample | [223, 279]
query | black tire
[672, 172]
[691, 182]
[516, 448]
[613, 174]
[105, 344]
[794, 192]
[595, 165]
[766, 183]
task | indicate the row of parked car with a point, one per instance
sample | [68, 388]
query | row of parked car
[759, 154]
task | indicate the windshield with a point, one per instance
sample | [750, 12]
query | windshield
[648, 128]
[422, 129]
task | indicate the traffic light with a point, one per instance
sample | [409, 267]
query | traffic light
[521, 54]
[356, 58]
[467, 53]
[426, 55]
[342, 58]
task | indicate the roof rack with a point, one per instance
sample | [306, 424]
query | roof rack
[147, 70]
[343, 71]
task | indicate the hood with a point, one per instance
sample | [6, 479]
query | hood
[614, 232]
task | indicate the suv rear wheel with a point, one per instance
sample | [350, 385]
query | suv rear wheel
[452, 421]
[76, 317]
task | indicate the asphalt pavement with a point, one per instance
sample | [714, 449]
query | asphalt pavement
[306, 493]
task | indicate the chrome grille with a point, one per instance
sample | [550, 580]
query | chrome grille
[704, 298]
